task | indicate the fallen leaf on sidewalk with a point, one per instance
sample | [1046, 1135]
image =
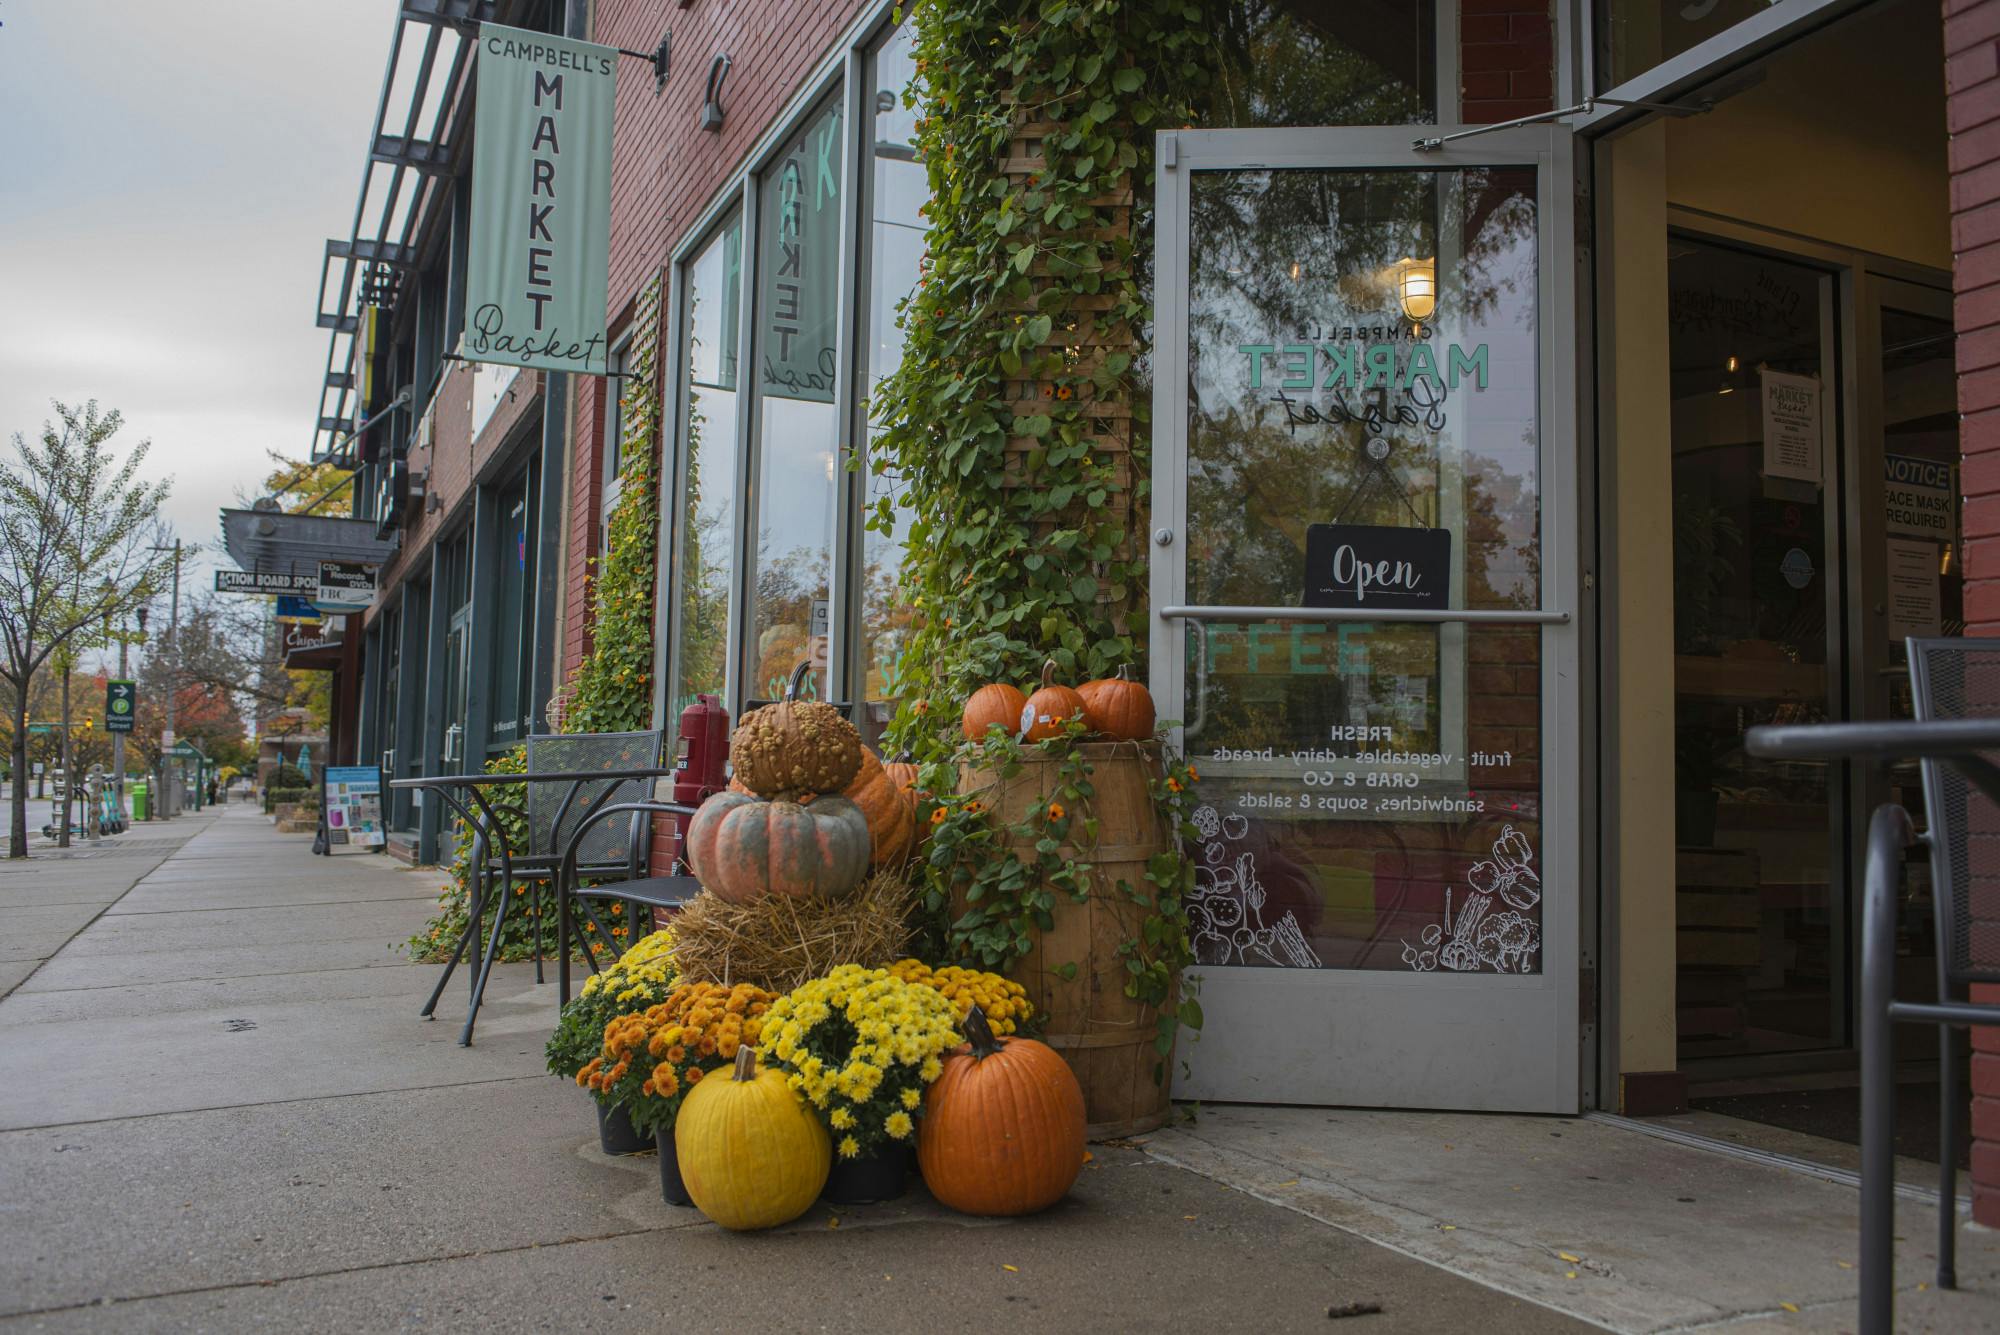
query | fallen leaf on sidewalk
[1293, 1183]
[1448, 1228]
[1188, 1216]
[1569, 1274]
[1573, 1260]
[1845, 1265]
[1010, 1269]
[1789, 1307]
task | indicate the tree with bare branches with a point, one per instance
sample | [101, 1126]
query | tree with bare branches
[76, 527]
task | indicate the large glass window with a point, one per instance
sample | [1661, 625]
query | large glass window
[798, 268]
[898, 185]
[1324, 62]
[714, 286]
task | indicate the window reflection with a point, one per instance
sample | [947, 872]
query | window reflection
[714, 292]
[1363, 375]
[898, 187]
[798, 267]
[1324, 62]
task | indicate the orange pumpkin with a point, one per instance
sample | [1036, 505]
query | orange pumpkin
[742, 847]
[1003, 1125]
[1049, 709]
[995, 703]
[1118, 706]
[891, 811]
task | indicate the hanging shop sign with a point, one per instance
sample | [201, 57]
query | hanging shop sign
[1917, 497]
[1376, 567]
[291, 607]
[353, 807]
[541, 202]
[266, 581]
[1791, 409]
[802, 211]
[344, 586]
[121, 702]
[302, 636]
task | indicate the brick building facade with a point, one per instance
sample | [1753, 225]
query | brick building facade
[1972, 75]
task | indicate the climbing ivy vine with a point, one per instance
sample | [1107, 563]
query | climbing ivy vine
[1016, 425]
[612, 690]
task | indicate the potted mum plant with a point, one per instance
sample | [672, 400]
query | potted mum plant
[652, 1059]
[860, 1046]
[640, 978]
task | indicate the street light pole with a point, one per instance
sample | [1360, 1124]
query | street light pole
[172, 795]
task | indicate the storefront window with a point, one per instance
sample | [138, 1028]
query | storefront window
[898, 186]
[1364, 431]
[1324, 62]
[798, 349]
[714, 282]
[512, 554]
[1635, 35]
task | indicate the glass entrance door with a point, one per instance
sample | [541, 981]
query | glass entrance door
[1363, 588]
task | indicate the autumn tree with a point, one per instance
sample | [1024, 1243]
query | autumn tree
[76, 530]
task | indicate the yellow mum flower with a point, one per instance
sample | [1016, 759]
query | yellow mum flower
[899, 1125]
[912, 1098]
[841, 1119]
[850, 1148]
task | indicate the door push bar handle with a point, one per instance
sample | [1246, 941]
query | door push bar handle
[1474, 616]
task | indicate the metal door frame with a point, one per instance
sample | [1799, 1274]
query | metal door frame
[1543, 1072]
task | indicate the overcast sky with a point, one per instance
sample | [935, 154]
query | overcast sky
[169, 173]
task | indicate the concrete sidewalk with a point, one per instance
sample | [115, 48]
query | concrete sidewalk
[219, 1110]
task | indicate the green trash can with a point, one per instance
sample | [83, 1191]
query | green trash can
[141, 799]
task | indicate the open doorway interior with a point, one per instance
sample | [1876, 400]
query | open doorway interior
[1814, 460]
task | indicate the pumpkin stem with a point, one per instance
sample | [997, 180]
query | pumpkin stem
[746, 1065]
[798, 680]
[980, 1034]
[1125, 672]
[1049, 672]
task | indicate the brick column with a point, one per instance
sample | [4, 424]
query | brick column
[1972, 114]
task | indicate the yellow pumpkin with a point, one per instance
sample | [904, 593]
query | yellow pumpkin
[751, 1153]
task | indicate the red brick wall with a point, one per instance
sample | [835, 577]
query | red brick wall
[1972, 84]
[582, 534]
[1506, 60]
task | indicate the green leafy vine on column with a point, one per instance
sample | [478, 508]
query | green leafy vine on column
[1019, 537]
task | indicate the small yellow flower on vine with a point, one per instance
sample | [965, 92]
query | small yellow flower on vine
[1056, 811]
[975, 806]
[1173, 785]
[922, 706]
[1065, 392]
[937, 818]
[1192, 774]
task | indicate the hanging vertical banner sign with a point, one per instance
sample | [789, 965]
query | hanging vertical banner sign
[121, 700]
[541, 202]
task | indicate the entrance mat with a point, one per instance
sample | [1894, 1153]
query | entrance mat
[1835, 1114]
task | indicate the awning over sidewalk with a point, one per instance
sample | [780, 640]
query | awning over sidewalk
[295, 544]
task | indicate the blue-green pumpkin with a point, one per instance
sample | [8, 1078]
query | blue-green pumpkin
[742, 847]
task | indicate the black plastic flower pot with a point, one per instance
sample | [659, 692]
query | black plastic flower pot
[615, 1133]
[881, 1176]
[672, 1190]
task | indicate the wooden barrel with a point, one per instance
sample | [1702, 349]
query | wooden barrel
[1106, 1036]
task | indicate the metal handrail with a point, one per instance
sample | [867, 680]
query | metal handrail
[1954, 743]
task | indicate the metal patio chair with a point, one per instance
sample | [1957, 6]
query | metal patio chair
[567, 775]
[635, 892]
[1957, 702]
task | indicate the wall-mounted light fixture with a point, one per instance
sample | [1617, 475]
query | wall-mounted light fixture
[711, 108]
[1417, 289]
